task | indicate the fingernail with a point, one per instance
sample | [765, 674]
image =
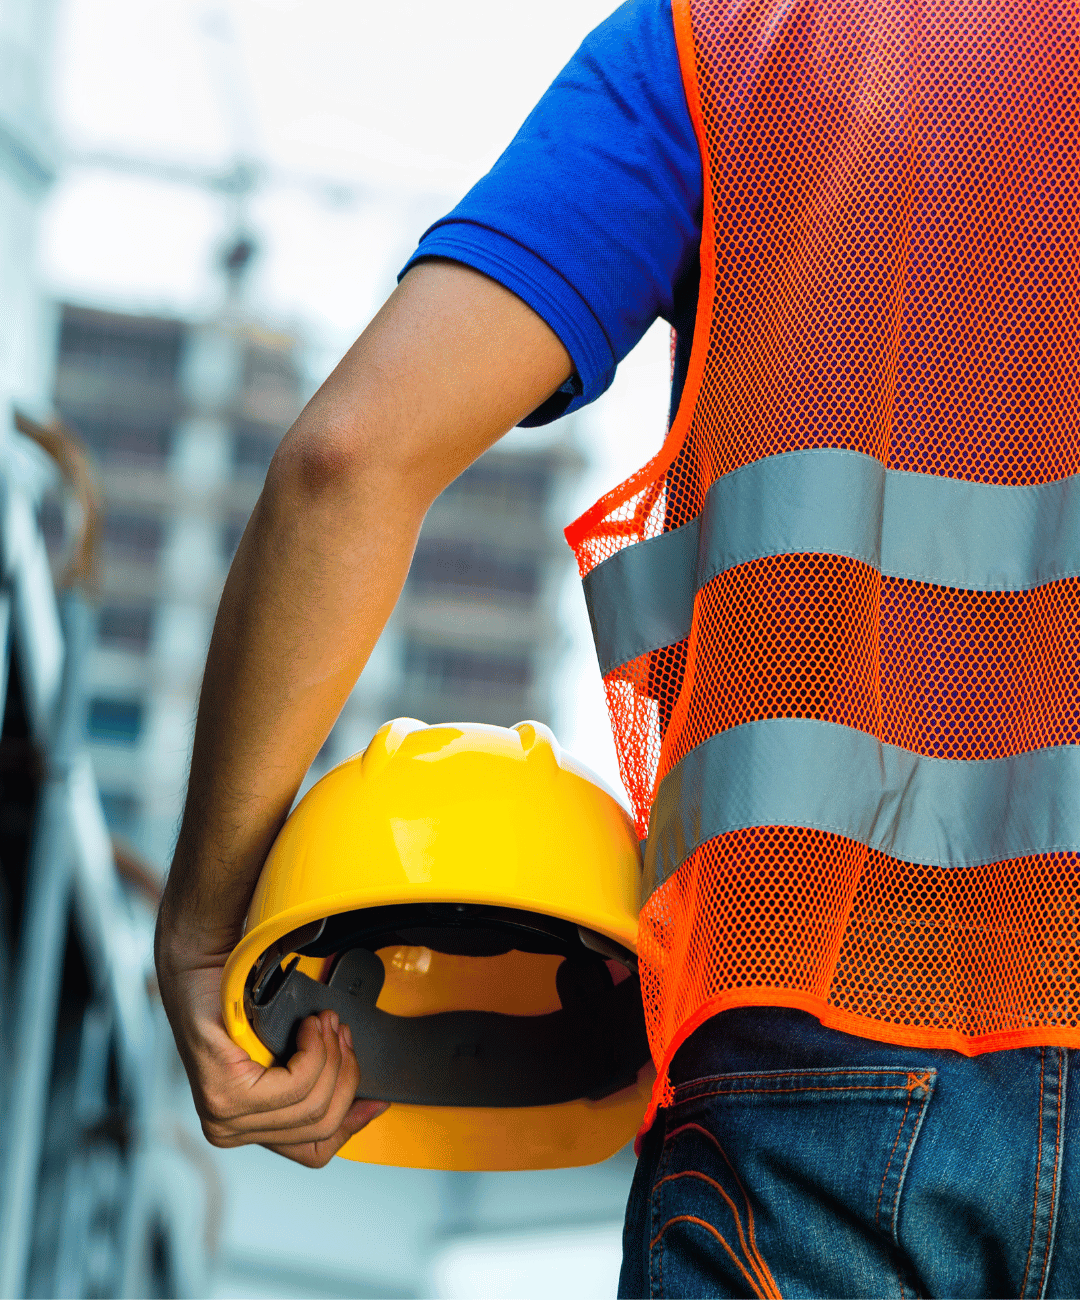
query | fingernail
[347, 1034]
[334, 1022]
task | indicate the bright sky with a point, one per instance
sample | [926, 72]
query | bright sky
[404, 104]
[409, 103]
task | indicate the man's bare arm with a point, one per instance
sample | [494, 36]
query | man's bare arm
[451, 362]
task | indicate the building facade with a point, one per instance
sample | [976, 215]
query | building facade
[96, 1195]
[181, 421]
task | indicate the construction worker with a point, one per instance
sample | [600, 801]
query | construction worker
[835, 615]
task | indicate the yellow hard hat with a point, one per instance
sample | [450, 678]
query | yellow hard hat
[465, 897]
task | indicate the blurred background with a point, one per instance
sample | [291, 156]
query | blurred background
[202, 203]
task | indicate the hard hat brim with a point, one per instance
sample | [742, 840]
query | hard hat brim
[482, 1138]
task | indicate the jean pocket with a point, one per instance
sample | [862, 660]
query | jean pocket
[786, 1183]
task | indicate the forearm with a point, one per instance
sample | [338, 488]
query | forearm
[315, 578]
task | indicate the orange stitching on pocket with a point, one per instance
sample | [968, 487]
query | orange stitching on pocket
[900, 1180]
[656, 1284]
[692, 1218]
[888, 1163]
[876, 1072]
[919, 1081]
[925, 1083]
[1054, 1189]
[755, 1262]
[1038, 1166]
[779, 1092]
[753, 1251]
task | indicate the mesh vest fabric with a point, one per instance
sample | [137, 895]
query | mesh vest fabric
[837, 614]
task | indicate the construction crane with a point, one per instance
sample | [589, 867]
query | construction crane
[247, 173]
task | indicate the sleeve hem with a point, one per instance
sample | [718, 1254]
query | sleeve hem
[536, 283]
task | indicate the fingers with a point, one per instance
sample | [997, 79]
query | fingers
[361, 1113]
[300, 1092]
[304, 1101]
[320, 1114]
[316, 1154]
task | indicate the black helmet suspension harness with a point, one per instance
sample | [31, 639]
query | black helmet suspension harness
[593, 1046]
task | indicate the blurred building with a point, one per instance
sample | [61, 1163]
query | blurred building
[477, 625]
[182, 419]
[106, 1186]
[28, 159]
[96, 1194]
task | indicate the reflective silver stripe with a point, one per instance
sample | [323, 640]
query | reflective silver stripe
[976, 536]
[643, 598]
[801, 772]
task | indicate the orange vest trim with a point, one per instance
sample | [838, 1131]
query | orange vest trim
[838, 614]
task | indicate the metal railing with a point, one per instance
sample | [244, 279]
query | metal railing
[88, 1205]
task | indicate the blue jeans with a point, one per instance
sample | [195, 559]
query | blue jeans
[799, 1161]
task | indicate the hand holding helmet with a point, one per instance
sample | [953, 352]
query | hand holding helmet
[305, 1109]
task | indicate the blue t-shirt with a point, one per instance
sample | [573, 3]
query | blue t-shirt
[593, 214]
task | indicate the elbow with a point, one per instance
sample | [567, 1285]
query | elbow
[327, 463]
[329, 466]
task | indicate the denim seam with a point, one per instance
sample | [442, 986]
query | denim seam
[704, 1223]
[916, 1128]
[780, 1092]
[926, 1083]
[1057, 1173]
[792, 1074]
[656, 1266]
[888, 1163]
[718, 1187]
[762, 1288]
[758, 1264]
[1038, 1169]
[682, 1091]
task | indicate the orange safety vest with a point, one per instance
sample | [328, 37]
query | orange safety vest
[838, 614]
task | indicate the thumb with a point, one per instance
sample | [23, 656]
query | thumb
[360, 1114]
[311, 1043]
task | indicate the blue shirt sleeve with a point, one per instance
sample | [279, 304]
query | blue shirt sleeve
[593, 214]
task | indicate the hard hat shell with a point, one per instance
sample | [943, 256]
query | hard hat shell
[464, 814]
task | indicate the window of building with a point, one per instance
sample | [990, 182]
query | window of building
[133, 536]
[121, 811]
[254, 446]
[472, 570]
[118, 721]
[504, 485]
[116, 383]
[451, 671]
[126, 627]
[124, 442]
[121, 350]
[231, 532]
